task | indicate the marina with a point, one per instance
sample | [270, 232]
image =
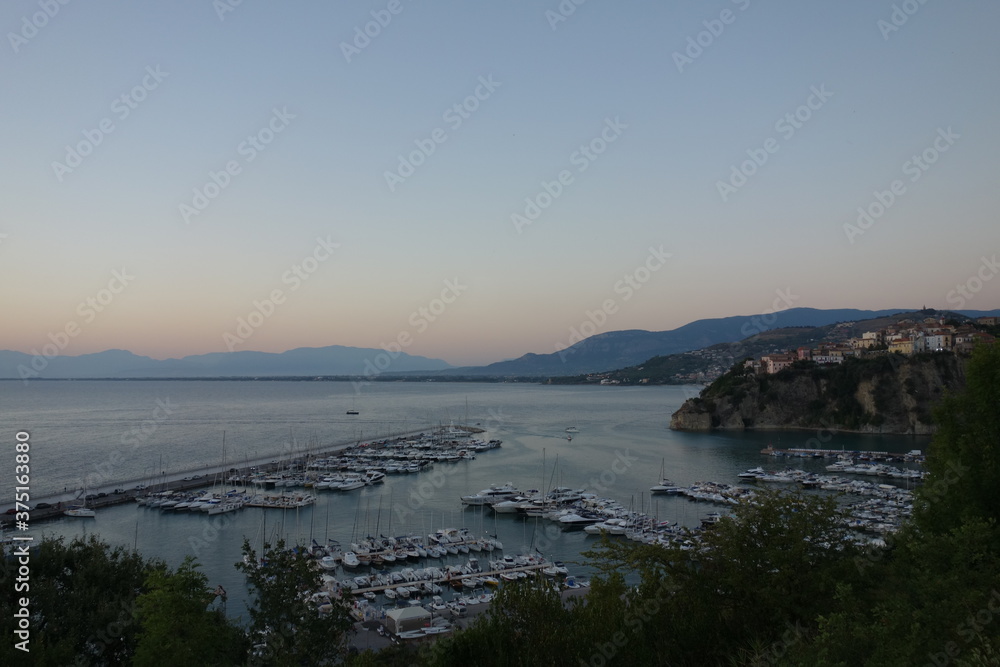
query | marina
[599, 482]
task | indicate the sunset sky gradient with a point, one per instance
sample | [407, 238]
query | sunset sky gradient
[620, 142]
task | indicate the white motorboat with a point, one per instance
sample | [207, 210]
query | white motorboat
[374, 477]
[491, 495]
[349, 484]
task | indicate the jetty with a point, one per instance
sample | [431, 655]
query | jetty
[450, 579]
[914, 455]
[117, 492]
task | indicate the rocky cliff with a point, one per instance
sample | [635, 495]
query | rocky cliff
[888, 394]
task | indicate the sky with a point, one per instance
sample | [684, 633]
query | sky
[473, 181]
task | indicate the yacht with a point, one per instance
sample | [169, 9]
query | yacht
[374, 477]
[82, 512]
[665, 487]
[491, 495]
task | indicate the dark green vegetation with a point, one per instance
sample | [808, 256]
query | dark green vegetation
[93, 604]
[287, 628]
[780, 583]
[883, 394]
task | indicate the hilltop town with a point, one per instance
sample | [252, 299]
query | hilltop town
[770, 351]
[907, 337]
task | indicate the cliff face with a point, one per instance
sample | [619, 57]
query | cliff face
[883, 395]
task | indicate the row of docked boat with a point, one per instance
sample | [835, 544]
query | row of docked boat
[209, 502]
[221, 503]
[883, 511]
[850, 466]
[432, 581]
[368, 463]
[402, 455]
[386, 551]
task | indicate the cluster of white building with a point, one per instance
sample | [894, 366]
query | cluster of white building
[906, 337]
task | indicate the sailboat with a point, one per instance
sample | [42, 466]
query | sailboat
[81, 511]
[665, 486]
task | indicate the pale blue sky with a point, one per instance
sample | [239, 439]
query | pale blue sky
[323, 176]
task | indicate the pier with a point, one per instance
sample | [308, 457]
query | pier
[915, 455]
[190, 479]
[447, 580]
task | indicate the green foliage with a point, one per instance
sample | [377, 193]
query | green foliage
[527, 624]
[178, 625]
[83, 597]
[287, 626]
[964, 456]
[739, 376]
[762, 577]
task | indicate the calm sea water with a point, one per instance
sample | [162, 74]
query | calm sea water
[103, 435]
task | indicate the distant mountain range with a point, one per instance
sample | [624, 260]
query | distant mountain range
[305, 361]
[602, 352]
[620, 349]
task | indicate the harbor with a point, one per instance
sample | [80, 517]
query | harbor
[302, 467]
[608, 469]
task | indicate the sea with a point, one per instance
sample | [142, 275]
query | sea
[97, 436]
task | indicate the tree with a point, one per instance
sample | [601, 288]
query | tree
[756, 582]
[291, 622]
[82, 602]
[179, 628]
[527, 624]
[931, 596]
[964, 456]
